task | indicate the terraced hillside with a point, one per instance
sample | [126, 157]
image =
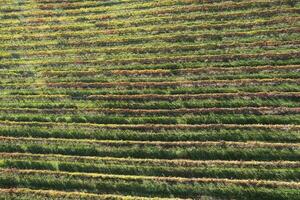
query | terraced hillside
[142, 99]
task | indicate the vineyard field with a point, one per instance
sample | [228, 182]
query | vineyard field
[150, 99]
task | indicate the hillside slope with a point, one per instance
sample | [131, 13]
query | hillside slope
[143, 99]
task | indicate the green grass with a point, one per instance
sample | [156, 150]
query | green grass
[151, 99]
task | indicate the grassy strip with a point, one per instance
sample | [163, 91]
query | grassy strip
[211, 71]
[62, 43]
[252, 62]
[181, 25]
[146, 84]
[157, 112]
[138, 170]
[288, 51]
[153, 162]
[67, 64]
[195, 96]
[139, 76]
[17, 101]
[186, 119]
[153, 127]
[166, 144]
[159, 83]
[81, 5]
[27, 194]
[163, 72]
[165, 6]
[189, 71]
[156, 150]
[170, 180]
[138, 50]
[245, 135]
[286, 55]
[238, 96]
[83, 93]
[114, 40]
[146, 186]
[79, 32]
